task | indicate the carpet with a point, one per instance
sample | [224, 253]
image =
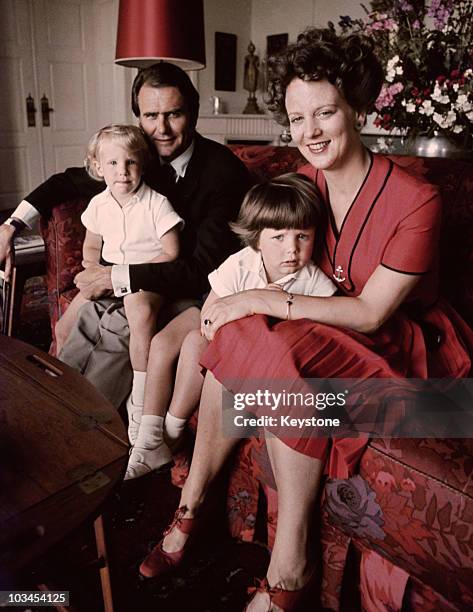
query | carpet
[215, 579]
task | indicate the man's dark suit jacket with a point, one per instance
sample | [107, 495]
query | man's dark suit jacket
[207, 198]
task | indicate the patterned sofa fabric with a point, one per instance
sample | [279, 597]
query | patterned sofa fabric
[399, 508]
[63, 235]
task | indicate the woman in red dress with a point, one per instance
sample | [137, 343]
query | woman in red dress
[380, 247]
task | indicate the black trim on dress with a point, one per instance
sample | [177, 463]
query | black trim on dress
[404, 271]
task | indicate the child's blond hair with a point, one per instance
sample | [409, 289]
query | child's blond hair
[128, 136]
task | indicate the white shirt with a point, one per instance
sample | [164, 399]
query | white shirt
[180, 163]
[121, 274]
[131, 233]
[245, 270]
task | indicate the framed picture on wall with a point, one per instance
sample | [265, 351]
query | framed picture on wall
[275, 43]
[225, 61]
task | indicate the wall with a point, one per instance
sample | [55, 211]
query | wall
[254, 20]
[232, 17]
[113, 81]
[280, 16]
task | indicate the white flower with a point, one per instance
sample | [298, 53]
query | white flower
[455, 87]
[438, 96]
[410, 107]
[445, 121]
[457, 129]
[468, 72]
[426, 108]
[392, 68]
[470, 115]
[463, 104]
[451, 118]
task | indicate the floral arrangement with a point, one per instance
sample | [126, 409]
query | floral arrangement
[426, 48]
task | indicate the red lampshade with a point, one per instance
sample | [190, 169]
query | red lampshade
[154, 30]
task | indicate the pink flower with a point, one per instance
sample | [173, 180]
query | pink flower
[384, 481]
[387, 94]
[408, 485]
[440, 11]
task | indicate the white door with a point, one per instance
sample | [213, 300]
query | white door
[60, 55]
[21, 158]
[66, 69]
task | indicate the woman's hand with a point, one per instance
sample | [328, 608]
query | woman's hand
[224, 310]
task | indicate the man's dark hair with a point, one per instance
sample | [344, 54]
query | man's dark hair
[164, 74]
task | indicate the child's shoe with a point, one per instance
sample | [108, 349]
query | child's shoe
[149, 452]
[142, 461]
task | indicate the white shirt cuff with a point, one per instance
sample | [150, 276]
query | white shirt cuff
[27, 213]
[121, 280]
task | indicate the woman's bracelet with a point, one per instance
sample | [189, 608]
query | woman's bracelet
[289, 302]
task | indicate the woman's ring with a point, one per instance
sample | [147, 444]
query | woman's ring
[207, 322]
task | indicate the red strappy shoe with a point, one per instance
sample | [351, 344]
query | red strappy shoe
[160, 563]
[288, 601]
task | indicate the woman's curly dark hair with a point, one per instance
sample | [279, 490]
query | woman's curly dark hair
[348, 62]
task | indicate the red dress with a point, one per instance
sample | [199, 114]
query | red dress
[394, 221]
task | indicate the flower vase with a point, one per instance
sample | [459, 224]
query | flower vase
[438, 146]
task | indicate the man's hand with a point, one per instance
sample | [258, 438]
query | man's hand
[6, 248]
[95, 282]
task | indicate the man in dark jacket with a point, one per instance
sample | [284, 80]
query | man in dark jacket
[205, 183]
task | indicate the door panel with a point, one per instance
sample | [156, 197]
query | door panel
[20, 145]
[64, 39]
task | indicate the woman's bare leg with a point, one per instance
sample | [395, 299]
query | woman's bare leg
[297, 479]
[211, 451]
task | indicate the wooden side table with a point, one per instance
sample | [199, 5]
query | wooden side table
[63, 447]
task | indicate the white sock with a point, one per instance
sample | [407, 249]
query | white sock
[150, 434]
[138, 389]
[174, 426]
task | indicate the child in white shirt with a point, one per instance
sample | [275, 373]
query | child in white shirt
[128, 223]
[277, 223]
